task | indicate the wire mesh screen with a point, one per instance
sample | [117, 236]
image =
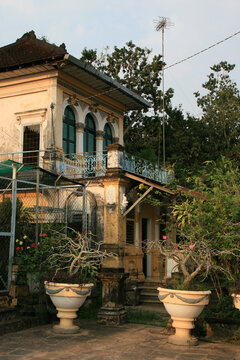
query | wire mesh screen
[4, 262]
[39, 208]
[62, 208]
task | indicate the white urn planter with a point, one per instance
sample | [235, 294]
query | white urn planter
[183, 307]
[236, 300]
[67, 298]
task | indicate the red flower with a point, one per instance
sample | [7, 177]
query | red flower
[21, 248]
[164, 237]
[44, 235]
[33, 245]
[18, 248]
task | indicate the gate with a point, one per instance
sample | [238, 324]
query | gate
[7, 231]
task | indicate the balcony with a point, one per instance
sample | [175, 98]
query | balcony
[147, 169]
[76, 166]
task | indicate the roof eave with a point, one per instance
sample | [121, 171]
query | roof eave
[105, 78]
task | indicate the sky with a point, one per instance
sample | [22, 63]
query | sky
[95, 24]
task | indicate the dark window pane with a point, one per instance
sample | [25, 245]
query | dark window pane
[72, 133]
[107, 139]
[69, 131]
[130, 232]
[71, 148]
[89, 140]
[65, 147]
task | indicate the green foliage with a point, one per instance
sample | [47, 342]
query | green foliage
[34, 260]
[23, 218]
[221, 112]
[190, 141]
[223, 308]
[208, 217]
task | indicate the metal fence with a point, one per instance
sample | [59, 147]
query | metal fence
[29, 208]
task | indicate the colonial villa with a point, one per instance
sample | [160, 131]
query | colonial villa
[65, 116]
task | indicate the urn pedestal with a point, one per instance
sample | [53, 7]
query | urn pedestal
[183, 307]
[67, 298]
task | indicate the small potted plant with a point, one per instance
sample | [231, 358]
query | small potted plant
[73, 263]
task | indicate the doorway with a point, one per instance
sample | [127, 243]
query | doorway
[146, 235]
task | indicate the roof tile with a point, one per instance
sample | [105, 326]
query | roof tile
[27, 50]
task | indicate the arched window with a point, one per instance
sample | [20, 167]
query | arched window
[69, 131]
[89, 140]
[107, 138]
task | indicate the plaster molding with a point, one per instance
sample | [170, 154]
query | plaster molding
[80, 126]
[35, 114]
[93, 107]
[100, 134]
[111, 118]
[73, 100]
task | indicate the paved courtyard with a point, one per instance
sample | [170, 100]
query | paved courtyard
[95, 342]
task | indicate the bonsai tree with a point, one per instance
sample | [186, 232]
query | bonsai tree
[75, 257]
[207, 222]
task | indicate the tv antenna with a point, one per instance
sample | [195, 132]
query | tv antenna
[161, 24]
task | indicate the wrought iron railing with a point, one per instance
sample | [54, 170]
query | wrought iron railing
[147, 169]
[89, 164]
[82, 165]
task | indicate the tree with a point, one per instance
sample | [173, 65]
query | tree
[221, 112]
[208, 218]
[139, 70]
[185, 143]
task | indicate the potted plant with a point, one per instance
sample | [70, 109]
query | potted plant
[206, 220]
[73, 263]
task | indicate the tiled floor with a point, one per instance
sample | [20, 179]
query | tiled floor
[97, 342]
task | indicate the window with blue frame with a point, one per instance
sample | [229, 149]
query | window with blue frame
[107, 138]
[69, 131]
[89, 139]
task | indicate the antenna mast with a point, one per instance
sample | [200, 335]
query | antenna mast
[161, 24]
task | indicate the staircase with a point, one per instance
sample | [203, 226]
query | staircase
[148, 291]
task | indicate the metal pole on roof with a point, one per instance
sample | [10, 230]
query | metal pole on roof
[163, 23]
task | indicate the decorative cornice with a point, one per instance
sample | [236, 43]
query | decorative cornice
[73, 89]
[103, 114]
[93, 107]
[73, 100]
[111, 118]
[20, 116]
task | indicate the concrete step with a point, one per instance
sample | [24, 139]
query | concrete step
[148, 292]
